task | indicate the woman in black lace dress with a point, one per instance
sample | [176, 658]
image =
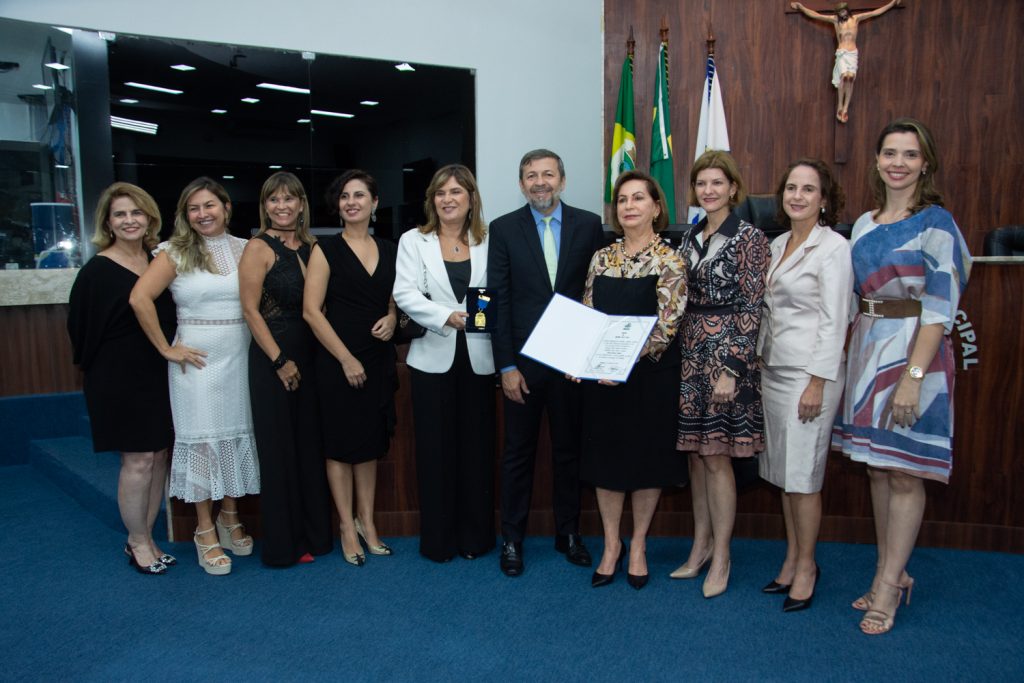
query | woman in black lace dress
[294, 502]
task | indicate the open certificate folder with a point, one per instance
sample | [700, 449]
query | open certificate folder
[585, 343]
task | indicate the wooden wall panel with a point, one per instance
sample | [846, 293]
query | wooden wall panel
[950, 63]
[35, 352]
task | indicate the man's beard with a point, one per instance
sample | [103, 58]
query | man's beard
[544, 204]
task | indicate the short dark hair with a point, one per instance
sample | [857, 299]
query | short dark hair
[534, 155]
[333, 193]
[831, 191]
[723, 161]
[653, 189]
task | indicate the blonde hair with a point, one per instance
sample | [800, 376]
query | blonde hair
[103, 236]
[474, 227]
[187, 244]
[289, 182]
[723, 161]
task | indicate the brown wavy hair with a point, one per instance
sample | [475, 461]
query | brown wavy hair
[831, 191]
[188, 244]
[103, 237]
[653, 189]
[925, 192]
[474, 227]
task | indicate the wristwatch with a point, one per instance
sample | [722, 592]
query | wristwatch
[915, 372]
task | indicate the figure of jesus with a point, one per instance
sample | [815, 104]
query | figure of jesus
[845, 70]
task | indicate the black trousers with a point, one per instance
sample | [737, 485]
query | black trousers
[561, 398]
[453, 415]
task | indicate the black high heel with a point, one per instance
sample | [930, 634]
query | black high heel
[637, 581]
[599, 579]
[775, 587]
[794, 605]
[153, 569]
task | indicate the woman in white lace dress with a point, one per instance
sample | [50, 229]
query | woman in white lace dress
[214, 451]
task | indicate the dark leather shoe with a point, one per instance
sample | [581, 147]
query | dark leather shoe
[571, 545]
[775, 587]
[637, 581]
[794, 605]
[599, 579]
[512, 558]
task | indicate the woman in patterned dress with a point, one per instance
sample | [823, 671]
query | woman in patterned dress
[720, 414]
[295, 509]
[214, 452]
[910, 268]
[641, 274]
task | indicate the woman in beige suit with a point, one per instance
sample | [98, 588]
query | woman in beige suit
[803, 326]
[453, 393]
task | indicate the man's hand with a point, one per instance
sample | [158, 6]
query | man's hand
[514, 386]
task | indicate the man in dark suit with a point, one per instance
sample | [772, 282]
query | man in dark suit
[542, 248]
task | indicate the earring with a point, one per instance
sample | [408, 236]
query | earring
[373, 215]
[924, 171]
[823, 211]
[302, 219]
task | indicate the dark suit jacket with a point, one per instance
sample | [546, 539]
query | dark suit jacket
[517, 271]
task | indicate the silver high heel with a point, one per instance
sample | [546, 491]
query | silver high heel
[382, 549]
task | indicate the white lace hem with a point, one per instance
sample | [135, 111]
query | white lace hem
[211, 470]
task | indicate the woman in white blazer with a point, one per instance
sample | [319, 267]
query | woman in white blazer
[803, 326]
[452, 371]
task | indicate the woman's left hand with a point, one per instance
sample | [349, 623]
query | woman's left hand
[384, 328]
[289, 375]
[809, 406]
[906, 402]
[725, 389]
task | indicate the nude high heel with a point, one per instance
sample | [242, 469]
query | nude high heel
[877, 622]
[218, 566]
[242, 546]
[685, 571]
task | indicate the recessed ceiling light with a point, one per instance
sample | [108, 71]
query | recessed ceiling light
[369, 103]
[154, 88]
[408, 170]
[283, 88]
[405, 66]
[61, 166]
[336, 114]
[302, 121]
[58, 66]
[40, 86]
[218, 111]
[228, 177]
[274, 166]
[128, 100]
[250, 100]
[133, 125]
[183, 67]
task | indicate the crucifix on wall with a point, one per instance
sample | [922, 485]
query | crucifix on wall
[846, 23]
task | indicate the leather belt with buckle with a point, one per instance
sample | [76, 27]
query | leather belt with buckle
[892, 308]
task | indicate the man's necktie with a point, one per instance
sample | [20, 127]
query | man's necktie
[550, 251]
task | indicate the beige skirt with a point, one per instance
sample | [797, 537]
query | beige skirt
[795, 452]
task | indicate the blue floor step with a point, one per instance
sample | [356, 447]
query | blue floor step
[89, 478]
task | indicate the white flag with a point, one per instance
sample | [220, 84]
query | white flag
[711, 131]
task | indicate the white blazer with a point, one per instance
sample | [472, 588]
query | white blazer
[420, 269]
[806, 304]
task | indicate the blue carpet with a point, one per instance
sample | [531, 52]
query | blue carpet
[72, 609]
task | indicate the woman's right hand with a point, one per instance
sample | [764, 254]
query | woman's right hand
[289, 375]
[182, 355]
[725, 389]
[457, 319]
[354, 372]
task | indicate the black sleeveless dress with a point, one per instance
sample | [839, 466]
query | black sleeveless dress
[357, 424]
[295, 503]
[629, 430]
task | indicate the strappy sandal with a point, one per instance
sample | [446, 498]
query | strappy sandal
[242, 546]
[218, 566]
[877, 622]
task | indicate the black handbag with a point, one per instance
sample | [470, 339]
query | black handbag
[407, 328]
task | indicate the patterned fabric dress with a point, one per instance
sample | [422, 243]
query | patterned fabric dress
[923, 257]
[214, 450]
[726, 290]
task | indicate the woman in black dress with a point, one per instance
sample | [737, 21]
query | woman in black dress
[294, 504]
[353, 273]
[125, 379]
[641, 274]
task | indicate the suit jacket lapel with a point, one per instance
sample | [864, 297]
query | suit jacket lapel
[430, 252]
[568, 233]
[796, 257]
